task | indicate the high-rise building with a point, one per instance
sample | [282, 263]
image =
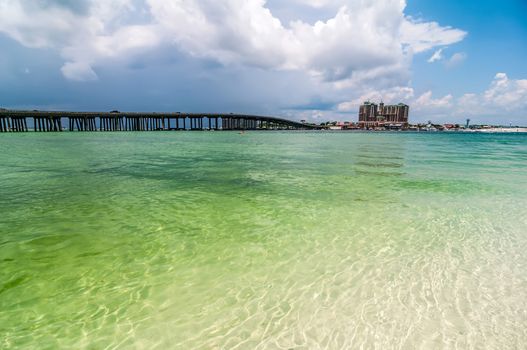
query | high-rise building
[373, 115]
[367, 113]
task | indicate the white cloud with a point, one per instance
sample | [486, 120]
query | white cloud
[503, 102]
[456, 59]
[422, 36]
[505, 99]
[361, 42]
[506, 93]
[78, 71]
[318, 3]
[84, 36]
[426, 101]
[35, 27]
[393, 95]
[437, 56]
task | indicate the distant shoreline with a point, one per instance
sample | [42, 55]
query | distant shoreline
[522, 130]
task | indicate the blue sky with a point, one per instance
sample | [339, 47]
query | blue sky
[302, 59]
[496, 42]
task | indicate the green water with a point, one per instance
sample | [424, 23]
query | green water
[267, 240]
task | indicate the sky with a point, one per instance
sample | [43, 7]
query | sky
[316, 60]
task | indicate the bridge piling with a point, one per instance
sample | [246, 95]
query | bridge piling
[43, 121]
[19, 124]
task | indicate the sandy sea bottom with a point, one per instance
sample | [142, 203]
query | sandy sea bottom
[267, 240]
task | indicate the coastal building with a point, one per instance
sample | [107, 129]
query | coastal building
[372, 115]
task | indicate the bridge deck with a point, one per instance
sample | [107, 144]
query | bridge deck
[48, 121]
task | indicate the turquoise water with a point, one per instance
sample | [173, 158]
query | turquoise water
[266, 240]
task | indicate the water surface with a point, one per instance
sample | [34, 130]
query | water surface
[267, 240]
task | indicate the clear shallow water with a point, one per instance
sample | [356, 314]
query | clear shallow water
[270, 240]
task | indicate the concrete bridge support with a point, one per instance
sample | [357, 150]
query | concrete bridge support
[16, 121]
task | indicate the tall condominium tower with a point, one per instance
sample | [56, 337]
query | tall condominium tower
[372, 115]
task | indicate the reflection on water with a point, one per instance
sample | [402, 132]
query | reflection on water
[262, 241]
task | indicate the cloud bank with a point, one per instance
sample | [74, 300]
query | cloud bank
[327, 63]
[504, 96]
[363, 40]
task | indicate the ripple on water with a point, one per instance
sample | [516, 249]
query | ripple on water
[273, 240]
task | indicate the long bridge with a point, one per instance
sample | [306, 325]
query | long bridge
[57, 121]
